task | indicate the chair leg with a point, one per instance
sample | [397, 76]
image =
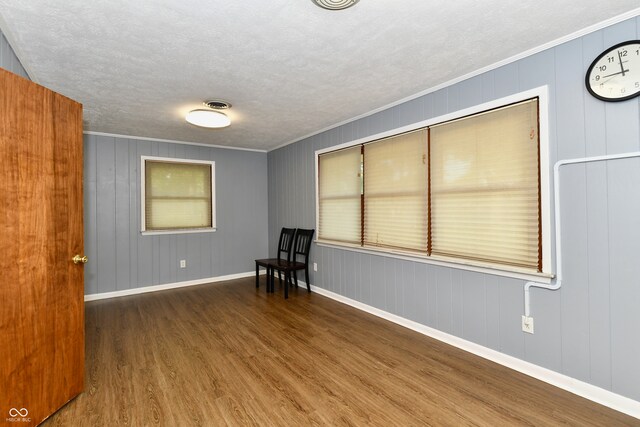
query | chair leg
[287, 284]
[306, 276]
[270, 278]
[295, 277]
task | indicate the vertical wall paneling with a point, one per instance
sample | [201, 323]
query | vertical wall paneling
[366, 280]
[425, 277]
[134, 211]
[444, 301]
[512, 339]
[9, 60]
[474, 311]
[121, 258]
[470, 93]
[90, 217]
[457, 306]
[349, 266]
[599, 306]
[492, 314]
[597, 244]
[574, 297]
[122, 200]
[588, 329]
[105, 256]
[624, 273]
[390, 286]
[145, 247]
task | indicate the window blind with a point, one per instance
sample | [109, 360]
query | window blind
[177, 195]
[485, 187]
[339, 195]
[395, 192]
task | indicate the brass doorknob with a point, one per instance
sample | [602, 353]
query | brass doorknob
[77, 259]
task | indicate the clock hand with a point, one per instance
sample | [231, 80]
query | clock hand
[615, 74]
[601, 82]
[621, 66]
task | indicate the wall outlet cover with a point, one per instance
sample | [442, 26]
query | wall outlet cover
[527, 324]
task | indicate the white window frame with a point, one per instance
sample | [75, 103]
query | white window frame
[542, 93]
[143, 228]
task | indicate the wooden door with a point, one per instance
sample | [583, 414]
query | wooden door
[41, 229]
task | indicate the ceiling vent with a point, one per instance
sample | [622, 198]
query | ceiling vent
[335, 4]
[218, 104]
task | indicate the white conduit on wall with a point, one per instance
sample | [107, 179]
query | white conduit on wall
[557, 281]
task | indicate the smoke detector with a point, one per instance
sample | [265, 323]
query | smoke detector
[335, 4]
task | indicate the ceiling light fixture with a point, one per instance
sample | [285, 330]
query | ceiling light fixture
[335, 4]
[210, 118]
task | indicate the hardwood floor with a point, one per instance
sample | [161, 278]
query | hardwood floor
[228, 354]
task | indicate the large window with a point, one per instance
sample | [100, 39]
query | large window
[178, 195]
[466, 189]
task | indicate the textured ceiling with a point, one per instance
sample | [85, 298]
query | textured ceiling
[288, 67]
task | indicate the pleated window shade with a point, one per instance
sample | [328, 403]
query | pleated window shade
[178, 195]
[339, 195]
[485, 187]
[395, 192]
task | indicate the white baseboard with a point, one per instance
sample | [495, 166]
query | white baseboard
[580, 388]
[163, 287]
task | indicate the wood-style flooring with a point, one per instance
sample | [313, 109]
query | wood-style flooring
[231, 354]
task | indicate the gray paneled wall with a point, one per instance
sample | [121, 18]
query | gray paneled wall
[587, 330]
[8, 59]
[120, 258]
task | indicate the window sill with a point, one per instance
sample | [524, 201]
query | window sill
[177, 231]
[441, 261]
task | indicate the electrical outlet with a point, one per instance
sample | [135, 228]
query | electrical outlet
[315, 266]
[183, 263]
[527, 324]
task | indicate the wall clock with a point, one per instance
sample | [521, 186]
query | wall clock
[615, 74]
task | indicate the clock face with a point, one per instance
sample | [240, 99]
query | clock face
[615, 74]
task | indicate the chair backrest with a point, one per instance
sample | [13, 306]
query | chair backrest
[302, 245]
[285, 243]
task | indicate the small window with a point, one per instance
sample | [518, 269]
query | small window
[177, 195]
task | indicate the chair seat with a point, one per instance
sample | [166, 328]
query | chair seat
[266, 261]
[287, 265]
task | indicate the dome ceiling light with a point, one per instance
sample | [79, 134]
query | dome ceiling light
[210, 118]
[335, 4]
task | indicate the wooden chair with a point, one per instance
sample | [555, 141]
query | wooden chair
[301, 248]
[285, 243]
